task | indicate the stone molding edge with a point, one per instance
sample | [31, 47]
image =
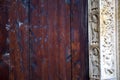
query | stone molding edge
[118, 37]
[102, 39]
[94, 42]
[107, 39]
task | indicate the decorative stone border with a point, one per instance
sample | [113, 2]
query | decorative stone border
[94, 50]
[102, 39]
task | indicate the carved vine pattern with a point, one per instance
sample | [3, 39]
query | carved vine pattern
[102, 53]
[107, 34]
[94, 39]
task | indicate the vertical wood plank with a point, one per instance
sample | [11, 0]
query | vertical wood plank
[50, 40]
[64, 39]
[19, 40]
[4, 60]
[39, 40]
[45, 42]
[53, 34]
[79, 40]
[3, 31]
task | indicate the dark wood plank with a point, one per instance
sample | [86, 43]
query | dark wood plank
[53, 48]
[3, 30]
[39, 40]
[4, 54]
[41, 37]
[79, 39]
[19, 40]
[50, 40]
[64, 39]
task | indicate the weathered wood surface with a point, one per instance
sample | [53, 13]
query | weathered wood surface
[79, 40]
[48, 40]
[4, 67]
[19, 40]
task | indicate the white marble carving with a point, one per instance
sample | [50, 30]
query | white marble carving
[94, 60]
[102, 39]
[107, 39]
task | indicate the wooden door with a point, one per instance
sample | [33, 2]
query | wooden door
[48, 39]
[4, 53]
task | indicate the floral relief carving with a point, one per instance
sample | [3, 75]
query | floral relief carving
[102, 35]
[94, 39]
[107, 34]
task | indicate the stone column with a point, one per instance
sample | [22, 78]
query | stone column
[102, 39]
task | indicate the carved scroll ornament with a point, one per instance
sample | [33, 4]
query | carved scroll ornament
[102, 36]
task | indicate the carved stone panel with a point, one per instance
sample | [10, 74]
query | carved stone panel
[102, 39]
[94, 50]
[107, 39]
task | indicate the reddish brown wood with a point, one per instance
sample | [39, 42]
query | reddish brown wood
[39, 40]
[4, 71]
[47, 40]
[79, 37]
[50, 38]
[19, 40]
[4, 67]
[64, 39]
[3, 31]
[53, 38]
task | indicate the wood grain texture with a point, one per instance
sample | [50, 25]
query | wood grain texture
[4, 67]
[79, 37]
[19, 40]
[48, 40]
[3, 31]
[39, 40]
